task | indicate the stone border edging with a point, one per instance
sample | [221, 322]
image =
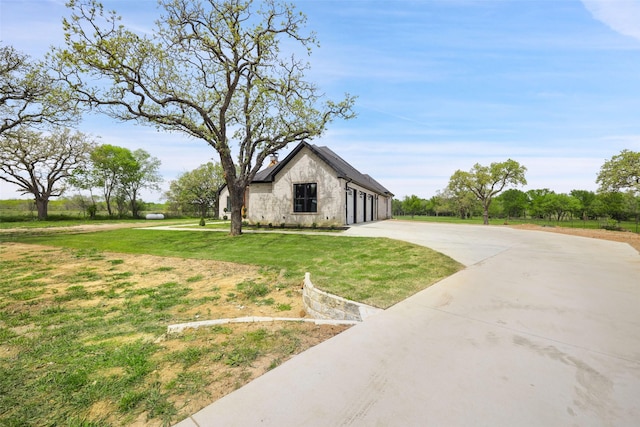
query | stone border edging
[177, 328]
[325, 308]
[323, 305]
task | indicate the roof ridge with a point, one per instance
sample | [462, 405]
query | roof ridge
[342, 168]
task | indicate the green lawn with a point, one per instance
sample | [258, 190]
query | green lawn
[379, 272]
[26, 223]
[87, 348]
[82, 339]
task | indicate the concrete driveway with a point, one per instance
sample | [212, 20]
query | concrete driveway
[540, 329]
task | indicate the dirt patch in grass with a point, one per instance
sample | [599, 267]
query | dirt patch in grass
[208, 280]
[632, 239]
[130, 299]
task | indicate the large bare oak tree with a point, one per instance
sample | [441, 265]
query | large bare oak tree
[214, 70]
[29, 96]
[40, 164]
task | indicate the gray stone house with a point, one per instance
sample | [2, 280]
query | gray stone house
[312, 185]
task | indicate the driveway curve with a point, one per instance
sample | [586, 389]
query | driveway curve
[540, 329]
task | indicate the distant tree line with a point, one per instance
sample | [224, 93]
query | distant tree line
[482, 192]
[112, 177]
[534, 204]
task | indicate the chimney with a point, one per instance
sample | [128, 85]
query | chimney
[274, 159]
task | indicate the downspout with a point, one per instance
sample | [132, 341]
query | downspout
[346, 201]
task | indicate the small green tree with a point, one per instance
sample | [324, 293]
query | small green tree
[120, 174]
[109, 167]
[462, 201]
[586, 199]
[413, 205]
[514, 203]
[537, 207]
[197, 189]
[143, 174]
[615, 205]
[486, 182]
[396, 207]
[560, 206]
[440, 203]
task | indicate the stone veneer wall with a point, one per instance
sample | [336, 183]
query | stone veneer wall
[322, 305]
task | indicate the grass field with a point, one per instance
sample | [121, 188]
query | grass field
[26, 223]
[82, 336]
[378, 272]
[82, 329]
[576, 223]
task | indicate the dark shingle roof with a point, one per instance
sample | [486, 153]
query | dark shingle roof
[337, 163]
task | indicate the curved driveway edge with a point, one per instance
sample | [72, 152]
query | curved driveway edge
[541, 329]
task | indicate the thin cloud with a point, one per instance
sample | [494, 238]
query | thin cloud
[622, 16]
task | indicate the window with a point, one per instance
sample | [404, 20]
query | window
[305, 197]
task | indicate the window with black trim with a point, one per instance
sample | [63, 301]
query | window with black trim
[305, 197]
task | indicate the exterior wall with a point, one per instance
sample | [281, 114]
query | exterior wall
[272, 203]
[384, 208]
[339, 202]
[223, 197]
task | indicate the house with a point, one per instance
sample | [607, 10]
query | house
[312, 186]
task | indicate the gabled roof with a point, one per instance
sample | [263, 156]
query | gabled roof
[338, 164]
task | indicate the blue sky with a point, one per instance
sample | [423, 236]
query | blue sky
[441, 85]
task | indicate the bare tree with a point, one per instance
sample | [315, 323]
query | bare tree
[212, 70]
[28, 95]
[39, 164]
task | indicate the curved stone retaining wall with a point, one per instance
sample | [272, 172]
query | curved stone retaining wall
[323, 305]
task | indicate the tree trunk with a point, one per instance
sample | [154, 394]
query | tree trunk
[485, 215]
[107, 199]
[134, 205]
[236, 196]
[42, 204]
